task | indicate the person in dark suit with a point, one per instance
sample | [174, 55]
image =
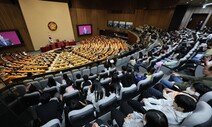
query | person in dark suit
[5, 42]
[49, 109]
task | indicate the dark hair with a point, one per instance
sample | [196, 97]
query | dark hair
[201, 88]
[85, 77]
[78, 76]
[29, 74]
[210, 68]
[66, 78]
[44, 98]
[124, 68]
[51, 82]
[185, 102]
[155, 118]
[151, 70]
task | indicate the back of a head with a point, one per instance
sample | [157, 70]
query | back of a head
[44, 98]
[51, 82]
[186, 102]
[124, 68]
[65, 76]
[78, 76]
[85, 77]
[155, 118]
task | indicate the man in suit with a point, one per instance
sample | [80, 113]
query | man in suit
[49, 109]
[5, 42]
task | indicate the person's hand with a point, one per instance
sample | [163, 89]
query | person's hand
[175, 74]
[143, 100]
[95, 125]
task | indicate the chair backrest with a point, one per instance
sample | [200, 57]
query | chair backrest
[111, 71]
[52, 90]
[144, 84]
[70, 76]
[142, 69]
[67, 72]
[93, 77]
[199, 71]
[58, 79]
[30, 99]
[75, 73]
[82, 116]
[201, 116]
[100, 68]
[73, 95]
[94, 70]
[58, 74]
[156, 77]
[103, 74]
[47, 76]
[78, 83]
[207, 97]
[86, 72]
[43, 83]
[27, 81]
[38, 78]
[127, 92]
[37, 85]
[105, 104]
[105, 81]
[166, 70]
[118, 63]
[53, 123]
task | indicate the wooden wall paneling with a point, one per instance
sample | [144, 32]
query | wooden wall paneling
[12, 18]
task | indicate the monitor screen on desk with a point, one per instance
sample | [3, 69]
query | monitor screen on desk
[10, 38]
[84, 29]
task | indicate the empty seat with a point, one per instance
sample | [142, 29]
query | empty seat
[86, 72]
[94, 70]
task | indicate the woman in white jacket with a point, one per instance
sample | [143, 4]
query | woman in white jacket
[175, 111]
[126, 117]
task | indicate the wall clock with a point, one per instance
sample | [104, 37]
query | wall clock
[52, 26]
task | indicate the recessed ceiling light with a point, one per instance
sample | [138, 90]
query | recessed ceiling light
[187, 2]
